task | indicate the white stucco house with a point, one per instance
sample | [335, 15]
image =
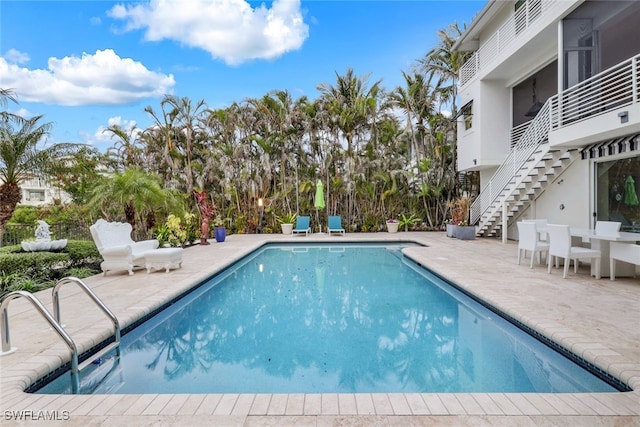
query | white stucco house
[550, 113]
[39, 191]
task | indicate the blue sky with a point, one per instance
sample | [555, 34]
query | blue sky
[86, 65]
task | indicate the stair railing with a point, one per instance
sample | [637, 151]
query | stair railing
[536, 133]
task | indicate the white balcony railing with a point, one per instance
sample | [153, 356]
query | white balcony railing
[614, 88]
[491, 48]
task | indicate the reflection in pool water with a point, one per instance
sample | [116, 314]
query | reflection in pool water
[341, 319]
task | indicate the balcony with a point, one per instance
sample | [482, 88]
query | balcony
[609, 90]
[505, 37]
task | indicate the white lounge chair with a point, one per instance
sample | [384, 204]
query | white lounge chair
[119, 251]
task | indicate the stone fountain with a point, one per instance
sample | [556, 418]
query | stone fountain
[43, 240]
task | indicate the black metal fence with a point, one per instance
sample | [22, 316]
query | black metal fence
[16, 233]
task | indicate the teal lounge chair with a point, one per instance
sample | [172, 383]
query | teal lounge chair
[335, 225]
[302, 225]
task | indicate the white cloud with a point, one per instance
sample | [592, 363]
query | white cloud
[102, 78]
[228, 29]
[23, 112]
[103, 139]
[16, 57]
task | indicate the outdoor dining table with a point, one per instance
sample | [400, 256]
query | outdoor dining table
[601, 242]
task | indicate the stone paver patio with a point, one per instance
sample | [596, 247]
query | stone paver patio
[599, 320]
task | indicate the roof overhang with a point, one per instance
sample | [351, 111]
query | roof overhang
[469, 40]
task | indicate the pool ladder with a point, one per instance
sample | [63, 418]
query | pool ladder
[54, 321]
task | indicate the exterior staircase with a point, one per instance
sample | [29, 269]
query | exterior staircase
[523, 176]
[529, 181]
[531, 163]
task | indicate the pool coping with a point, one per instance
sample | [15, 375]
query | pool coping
[34, 360]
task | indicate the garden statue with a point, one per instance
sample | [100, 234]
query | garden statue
[43, 240]
[42, 232]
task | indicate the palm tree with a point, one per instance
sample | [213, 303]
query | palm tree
[138, 193]
[20, 158]
[446, 63]
[188, 133]
[127, 149]
[349, 101]
[6, 95]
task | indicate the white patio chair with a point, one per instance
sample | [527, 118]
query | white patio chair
[529, 241]
[622, 251]
[541, 228]
[607, 227]
[560, 247]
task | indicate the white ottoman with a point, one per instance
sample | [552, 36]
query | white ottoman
[166, 258]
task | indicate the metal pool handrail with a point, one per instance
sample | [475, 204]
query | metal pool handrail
[6, 339]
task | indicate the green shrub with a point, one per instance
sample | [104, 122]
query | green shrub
[39, 266]
[23, 261]
[24, 215]
[46, 266]
[371, 223]
[82, 252]
[29, 285]
[81, 272]
[13, 249]
[33, 271]
[20, 282]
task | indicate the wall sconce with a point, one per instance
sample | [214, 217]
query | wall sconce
[562, 207]
[475, 162]
[624, 116]
[260, 202]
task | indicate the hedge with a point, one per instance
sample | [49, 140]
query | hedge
[45, 268]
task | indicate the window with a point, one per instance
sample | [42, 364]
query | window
[617, 189]
[467, 115]
[35, 196]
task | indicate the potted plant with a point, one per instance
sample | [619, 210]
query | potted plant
[219, 229]
[449, 227]
[286, 222]
[405, 222]
[392, 225]
[460, 212]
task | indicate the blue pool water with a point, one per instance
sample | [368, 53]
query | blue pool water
[345, 319]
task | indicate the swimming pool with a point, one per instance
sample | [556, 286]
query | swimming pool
[318, 318]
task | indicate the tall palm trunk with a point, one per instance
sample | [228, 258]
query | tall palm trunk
[130, 214]
[10, 196]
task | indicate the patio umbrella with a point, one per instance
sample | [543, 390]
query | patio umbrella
[319, 200]
[630, 196]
